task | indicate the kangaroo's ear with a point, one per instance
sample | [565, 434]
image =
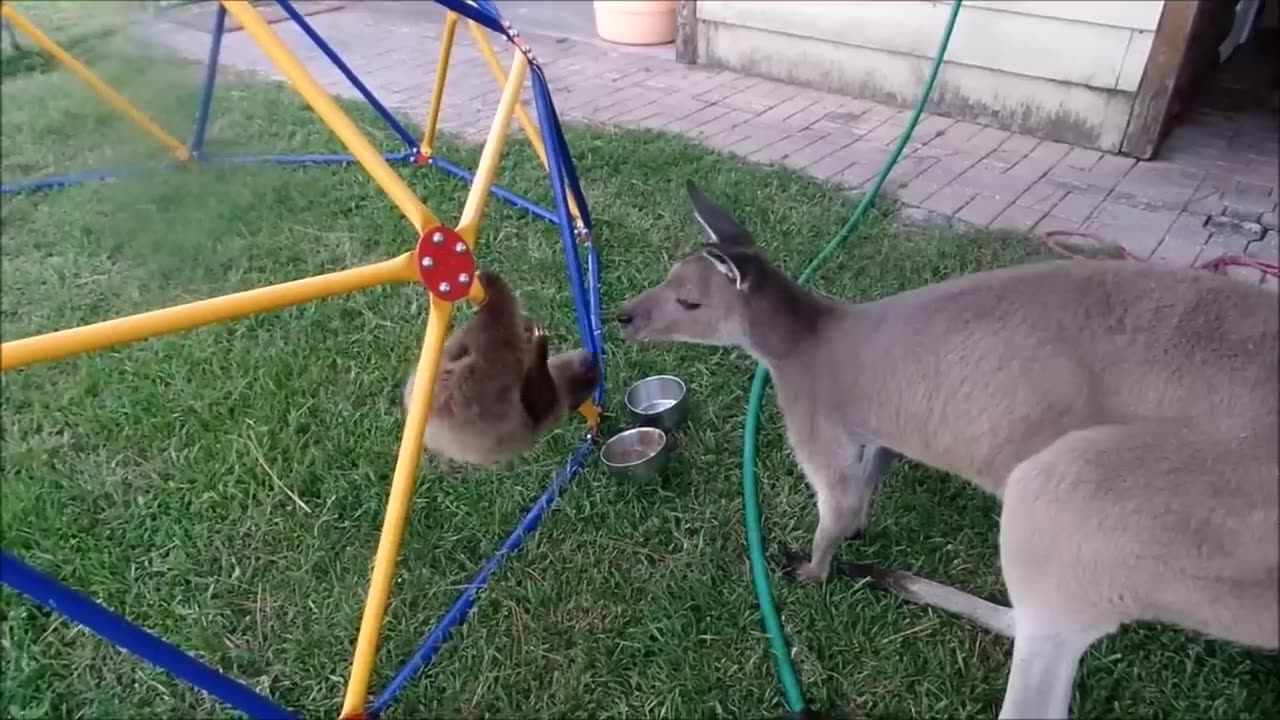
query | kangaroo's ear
[718, 224]
[737, 265]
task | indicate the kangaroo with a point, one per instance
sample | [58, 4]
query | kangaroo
[1126, 415]
[497, 391]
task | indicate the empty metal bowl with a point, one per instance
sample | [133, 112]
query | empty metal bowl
[638, 454]
[660, 401]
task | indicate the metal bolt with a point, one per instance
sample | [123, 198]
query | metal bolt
[437, 238]
[427, 262]
[460, 247]
[444, 287]
[464, 278]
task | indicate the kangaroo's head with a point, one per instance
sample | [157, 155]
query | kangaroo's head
[704, 296]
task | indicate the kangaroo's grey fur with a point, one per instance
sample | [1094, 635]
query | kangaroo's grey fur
[1125, 413]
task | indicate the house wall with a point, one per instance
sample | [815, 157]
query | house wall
[1065, 71]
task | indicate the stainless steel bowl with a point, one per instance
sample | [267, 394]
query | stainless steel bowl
[660, 401]
[637, 454]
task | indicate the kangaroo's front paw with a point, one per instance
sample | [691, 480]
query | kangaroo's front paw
[811, 574]
[797, 568]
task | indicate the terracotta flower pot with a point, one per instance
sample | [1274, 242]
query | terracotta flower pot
[636, 22]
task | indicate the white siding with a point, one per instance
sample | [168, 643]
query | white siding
[1124, 14]
[1057, 69]
[1014, 37]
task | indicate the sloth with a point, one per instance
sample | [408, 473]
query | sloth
[498, 391]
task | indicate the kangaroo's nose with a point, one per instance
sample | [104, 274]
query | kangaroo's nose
[625, 318]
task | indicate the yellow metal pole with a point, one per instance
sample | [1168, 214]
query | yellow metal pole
[495, 66]
[62, 343]
[415, 424]
[487, 168]
[105, 91]
[437, 90]
[518, 69]
[401, 495]
[332, 115]
[530, 128]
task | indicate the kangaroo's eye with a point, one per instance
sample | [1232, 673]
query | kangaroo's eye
[687, 305]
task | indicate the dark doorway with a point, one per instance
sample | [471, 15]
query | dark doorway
[1224, 114]
[1231, 59]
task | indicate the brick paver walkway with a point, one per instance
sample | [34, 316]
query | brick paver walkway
[1213, 190]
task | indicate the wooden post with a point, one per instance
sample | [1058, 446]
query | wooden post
[1148, 118]
[687, 32]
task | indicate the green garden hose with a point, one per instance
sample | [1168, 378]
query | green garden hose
[792, 693]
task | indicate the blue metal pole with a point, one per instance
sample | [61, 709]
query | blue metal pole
[338, 62]
[593, 258]
[114, 628]
[517, 200]
[457, 612]
[58, 181]
[568, 238]
[210, 75]
[490, 7]
[487, 17]
[597, 319]
[566, 159]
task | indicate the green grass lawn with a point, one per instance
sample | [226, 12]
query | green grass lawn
[154, 476]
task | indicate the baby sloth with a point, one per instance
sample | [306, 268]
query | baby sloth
[497, 391]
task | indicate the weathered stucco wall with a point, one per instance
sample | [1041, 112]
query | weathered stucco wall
[1065, 71]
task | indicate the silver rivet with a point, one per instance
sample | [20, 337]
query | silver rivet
[437, 238]
[461, 247]
[464, 278]
[444, 287]
[427, 262]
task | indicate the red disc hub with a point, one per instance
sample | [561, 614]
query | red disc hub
[445, 263]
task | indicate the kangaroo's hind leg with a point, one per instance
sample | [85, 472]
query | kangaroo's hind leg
[1161, 521]
[1122, 523]
[1045, 562]
[1043, 671]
